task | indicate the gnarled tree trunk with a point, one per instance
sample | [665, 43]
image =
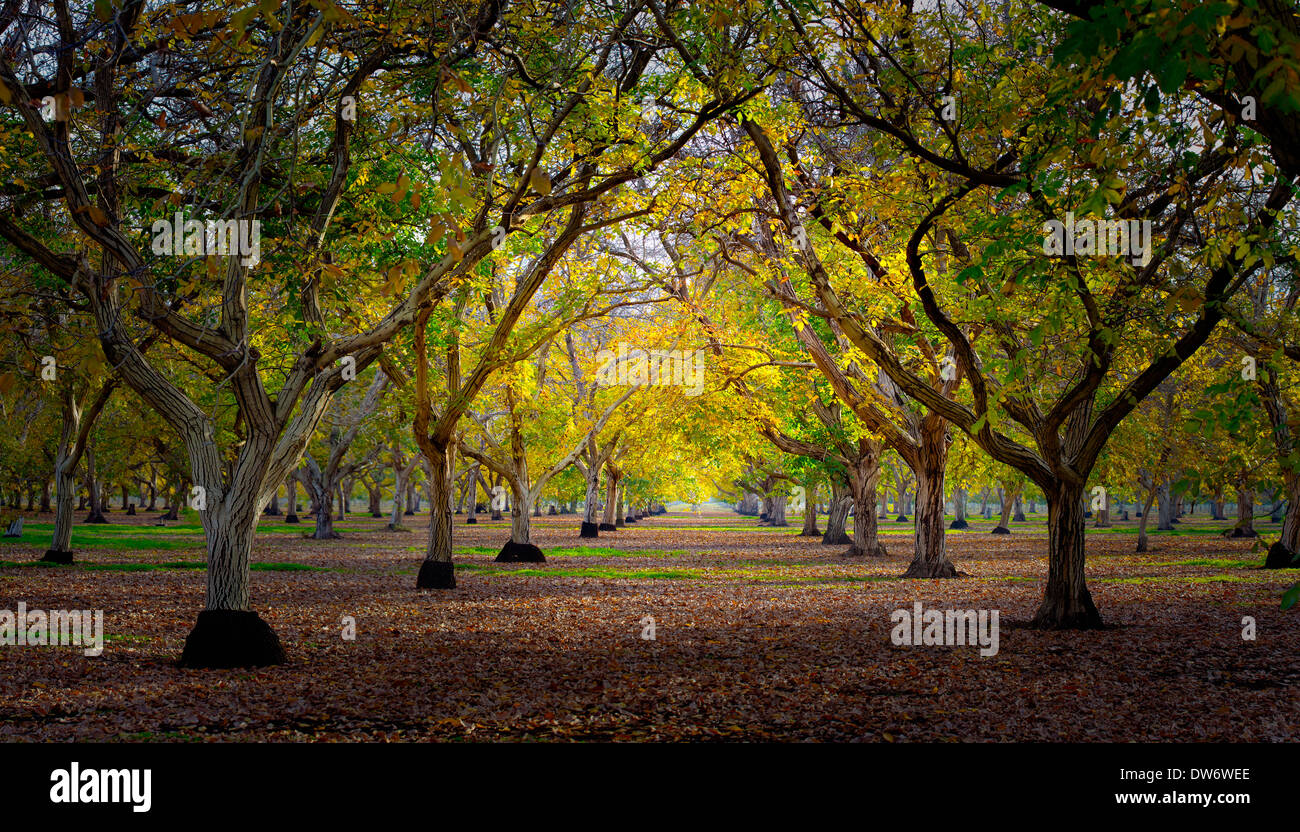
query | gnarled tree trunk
[437, 570]
[837, 514]
[864, 473]
[930, 552]
[810, 514]
[1067, 604]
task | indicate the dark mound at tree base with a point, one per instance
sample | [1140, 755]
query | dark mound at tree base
[1000, 530]
[292, 518]
[520, 553]
[96, 519]
[52, 556]
[1240, 532]
[838, 540]
[608, 527]
[629, 519]
[923, 569]
[471, 520]
[810, 533]
[959, 524]
[878, 551]
[1077, 621]
[231, 638]
[902, 518]
[589, 530]
[436, 574]
[130, 510]
[376, 514]
[552, 512]
[1280, 557]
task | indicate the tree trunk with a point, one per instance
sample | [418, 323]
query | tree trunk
[1004, 509]
[471, 505]
[590, 525]
[930, 552]
[1165, 505]
[92, 489]
[1282, 554]
[174, 500]
[521, 516]
[291, 497]
[959, 500]
[1245, 510]
[60, 550]
[809, 515]
[611, 500]
[494, 504]
[863, 476]
[837, 515]
[776, 516]
[322, 496]
[1067, 604]
[402, 474]
[1101, 518]
[1019, 510]
[228, 633]
[437, 571]
[1142, 523]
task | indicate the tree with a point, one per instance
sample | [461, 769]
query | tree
[1052, 433]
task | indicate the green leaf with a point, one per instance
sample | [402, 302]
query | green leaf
[1291, 596]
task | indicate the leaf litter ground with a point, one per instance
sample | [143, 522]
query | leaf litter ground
[759, 635]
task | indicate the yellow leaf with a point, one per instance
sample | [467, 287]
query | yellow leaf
[436, 230]
[540, 182]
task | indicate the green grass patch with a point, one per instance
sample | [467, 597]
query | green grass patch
[606, 572]
[573, 552]
[256, 566]
[1187, 579]
[1216, 563]
[100, 537]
